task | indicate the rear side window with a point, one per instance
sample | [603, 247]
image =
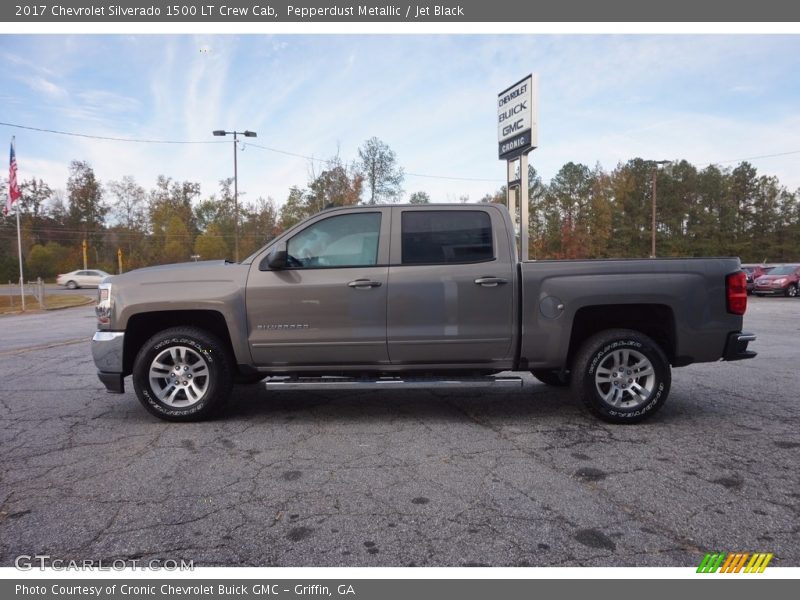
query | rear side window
[446, 236]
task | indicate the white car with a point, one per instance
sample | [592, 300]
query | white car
[79, 279]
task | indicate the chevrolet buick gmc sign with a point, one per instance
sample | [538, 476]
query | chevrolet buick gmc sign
[516, 118]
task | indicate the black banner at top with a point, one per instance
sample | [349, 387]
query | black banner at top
[337, 11]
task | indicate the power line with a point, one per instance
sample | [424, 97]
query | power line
[719, 162]
[268, 148]
[330, 161]
[322, 160]
[110, 138]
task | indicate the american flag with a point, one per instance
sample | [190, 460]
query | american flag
[13, 186]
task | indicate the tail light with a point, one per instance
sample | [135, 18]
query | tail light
[736, 292]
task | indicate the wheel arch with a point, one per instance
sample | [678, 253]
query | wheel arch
[143, 326]
[657, 321]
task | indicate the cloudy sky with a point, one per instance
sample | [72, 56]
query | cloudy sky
[432, 98]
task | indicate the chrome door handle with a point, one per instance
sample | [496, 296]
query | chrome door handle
[364, 284]
[491, 281]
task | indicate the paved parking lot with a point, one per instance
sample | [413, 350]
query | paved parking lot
[399, 478]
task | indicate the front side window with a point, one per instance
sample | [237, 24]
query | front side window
[441, 237]
[342, 241]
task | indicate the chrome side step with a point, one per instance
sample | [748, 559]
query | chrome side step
[387, 383]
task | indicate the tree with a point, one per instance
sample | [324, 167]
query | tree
[259, 224]
[378, 163]
[419, 198]
[168, 201]
[294, 210]
[337, 185]
[35, 196]
[178, 244]
[47, 261]
[86, 212]
[129, 207]
[211, 245]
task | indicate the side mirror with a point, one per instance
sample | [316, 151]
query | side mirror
[276, 259]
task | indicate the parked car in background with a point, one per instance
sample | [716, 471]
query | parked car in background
[753, 272]
[782, 280]
[79, 279]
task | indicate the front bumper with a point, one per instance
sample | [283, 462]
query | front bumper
[770, 291]
[107, 352]
[736, 346]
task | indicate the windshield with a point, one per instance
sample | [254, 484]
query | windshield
[784, 270]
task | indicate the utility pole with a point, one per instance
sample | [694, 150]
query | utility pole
[85, 254]
[246, 133]
[656, 163]
[119, 260]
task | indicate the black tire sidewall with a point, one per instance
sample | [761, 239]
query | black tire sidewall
[593, 354]
[219, 382]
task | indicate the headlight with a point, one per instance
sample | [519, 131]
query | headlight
[104, 304]
[780, 281]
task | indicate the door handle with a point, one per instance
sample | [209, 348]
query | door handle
[364, 284]
[487, 281]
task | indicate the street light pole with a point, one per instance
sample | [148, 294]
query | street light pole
[653, 224]
[245, 133]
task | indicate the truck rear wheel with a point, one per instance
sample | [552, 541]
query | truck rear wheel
[621, 375]
[183, 374]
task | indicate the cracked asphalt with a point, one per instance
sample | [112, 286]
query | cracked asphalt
[446, 478]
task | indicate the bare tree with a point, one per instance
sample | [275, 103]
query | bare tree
[378, 163]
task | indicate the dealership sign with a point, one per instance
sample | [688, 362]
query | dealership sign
[517, 118]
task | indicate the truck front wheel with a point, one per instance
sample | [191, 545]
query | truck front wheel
[621, 375]
[183, 374]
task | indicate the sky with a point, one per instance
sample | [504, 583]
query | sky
[432, 98]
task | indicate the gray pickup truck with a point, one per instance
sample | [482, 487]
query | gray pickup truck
[415, 296]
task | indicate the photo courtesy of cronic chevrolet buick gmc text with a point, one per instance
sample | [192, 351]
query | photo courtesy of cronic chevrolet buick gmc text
[415, 296]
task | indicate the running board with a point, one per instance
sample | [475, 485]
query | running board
[387, 383]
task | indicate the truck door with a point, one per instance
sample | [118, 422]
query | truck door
[451, 287]
[328, 306]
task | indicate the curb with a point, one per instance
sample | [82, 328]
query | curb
[38, 310]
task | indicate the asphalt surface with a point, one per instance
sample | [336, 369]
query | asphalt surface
[446, 478]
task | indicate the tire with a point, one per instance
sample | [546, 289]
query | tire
[791, 291]
[71, 285]
[609, 397]
[551, 377]
[205, 362]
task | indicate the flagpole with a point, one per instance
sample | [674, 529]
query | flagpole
[19, 251]
[14, 196]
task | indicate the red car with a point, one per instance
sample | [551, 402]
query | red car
[783, 280]
[753, 272]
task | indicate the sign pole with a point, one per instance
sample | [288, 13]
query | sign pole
[523, 207]
[511, 194]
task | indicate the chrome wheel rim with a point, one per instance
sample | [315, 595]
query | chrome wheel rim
[179, 376]
[625, 379]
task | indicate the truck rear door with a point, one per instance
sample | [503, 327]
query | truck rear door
[451, 287]
[328, 306]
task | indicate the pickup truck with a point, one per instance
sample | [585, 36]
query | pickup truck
[407, 296]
